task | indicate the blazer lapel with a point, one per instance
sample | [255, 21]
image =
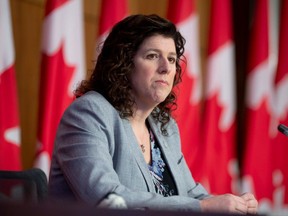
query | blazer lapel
[170, 157]
[136, 151]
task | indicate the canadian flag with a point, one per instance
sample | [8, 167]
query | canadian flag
[112, 11]
[258, 157]
[10, 150]
[220, 103]
[280, 111]
[265, 164]
[62, 68]
[188, 114]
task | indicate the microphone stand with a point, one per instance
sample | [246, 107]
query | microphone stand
[283, 129]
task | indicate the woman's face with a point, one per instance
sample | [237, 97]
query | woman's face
[155, 69]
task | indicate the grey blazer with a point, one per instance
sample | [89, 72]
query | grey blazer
[96, 153]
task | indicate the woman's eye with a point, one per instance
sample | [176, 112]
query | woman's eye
[152, 56]
[172, 60]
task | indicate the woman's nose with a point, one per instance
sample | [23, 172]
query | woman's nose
[164, 66]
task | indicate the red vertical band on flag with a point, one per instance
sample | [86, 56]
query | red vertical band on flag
[112, 11]
[282, 69]
[9, 120]
[259, 37]
[280, 142]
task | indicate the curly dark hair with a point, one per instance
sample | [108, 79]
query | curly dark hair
[115, 64]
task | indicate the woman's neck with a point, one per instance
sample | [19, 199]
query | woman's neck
[140, 116]
[141, 131]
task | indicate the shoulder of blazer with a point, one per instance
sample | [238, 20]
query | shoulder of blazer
[93, 100]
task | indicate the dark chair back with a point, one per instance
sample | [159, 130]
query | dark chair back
[27, 185]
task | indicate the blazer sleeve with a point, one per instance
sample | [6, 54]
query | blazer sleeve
[83, 153]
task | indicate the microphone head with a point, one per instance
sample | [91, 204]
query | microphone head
[283, 129]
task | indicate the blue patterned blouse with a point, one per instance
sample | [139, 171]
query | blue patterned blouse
[161, 175]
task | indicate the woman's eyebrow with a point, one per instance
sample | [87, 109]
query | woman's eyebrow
[159, 51]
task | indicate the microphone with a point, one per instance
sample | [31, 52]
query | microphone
[283, 129]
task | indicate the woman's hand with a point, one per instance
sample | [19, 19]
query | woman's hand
[244, 204]
[252, 203]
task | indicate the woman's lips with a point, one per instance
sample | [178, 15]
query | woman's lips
[163, 82]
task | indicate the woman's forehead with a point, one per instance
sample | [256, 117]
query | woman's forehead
[158, 42]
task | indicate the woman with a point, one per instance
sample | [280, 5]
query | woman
[118, 139]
